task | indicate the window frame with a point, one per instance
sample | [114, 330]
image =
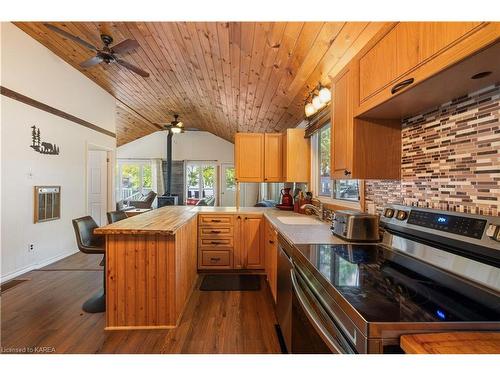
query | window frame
[141, 164]
[315, 178]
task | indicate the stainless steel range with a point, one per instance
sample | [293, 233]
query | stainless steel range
[433, 271]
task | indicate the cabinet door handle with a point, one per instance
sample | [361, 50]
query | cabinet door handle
[271, 241]
[239, 217]
[246, 218]
[215, 231]
[346, 172]
[401, 85]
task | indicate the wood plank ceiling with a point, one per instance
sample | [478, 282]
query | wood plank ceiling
[222, 77]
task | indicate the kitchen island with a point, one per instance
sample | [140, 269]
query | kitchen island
[150, 268]
[151, 261]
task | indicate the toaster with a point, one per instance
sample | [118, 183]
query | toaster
[355, 226]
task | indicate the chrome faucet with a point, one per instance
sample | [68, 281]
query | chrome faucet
[317, 210]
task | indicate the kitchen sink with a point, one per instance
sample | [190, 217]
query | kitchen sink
[299, 220]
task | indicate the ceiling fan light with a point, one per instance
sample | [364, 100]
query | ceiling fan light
[175, 130]
[309, 110]
[325, 95]
[179, 124]
[316, 102]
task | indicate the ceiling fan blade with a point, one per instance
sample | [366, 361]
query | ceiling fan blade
[125, 46]
[70, 36]
[91, 62]
[133, 68]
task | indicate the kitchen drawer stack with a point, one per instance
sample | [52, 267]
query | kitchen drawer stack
[215, 241]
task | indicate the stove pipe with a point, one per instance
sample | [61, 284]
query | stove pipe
[168, 188]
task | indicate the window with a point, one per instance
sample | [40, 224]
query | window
[201, 179]
[134, 178]
[323, 185]
[325, 182]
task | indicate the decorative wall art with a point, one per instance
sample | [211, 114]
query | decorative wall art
[42, 147]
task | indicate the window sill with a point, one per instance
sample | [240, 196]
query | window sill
[338, 204]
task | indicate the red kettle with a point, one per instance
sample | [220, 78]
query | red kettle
[286, 197]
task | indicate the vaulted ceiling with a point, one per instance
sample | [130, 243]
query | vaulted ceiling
[222, 77]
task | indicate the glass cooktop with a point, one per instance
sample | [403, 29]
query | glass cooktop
[385, 286]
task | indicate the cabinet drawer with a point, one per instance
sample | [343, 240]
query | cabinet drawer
[216, 232]
[216, 219]
[215, 258]
[216, 242]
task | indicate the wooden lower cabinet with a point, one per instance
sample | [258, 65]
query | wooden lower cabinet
[215, 241]
[249, 242]
[231, 241]
[271, 250]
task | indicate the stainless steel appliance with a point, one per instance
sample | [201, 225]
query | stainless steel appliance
[355, 226]
[284, 290]
[434, 271]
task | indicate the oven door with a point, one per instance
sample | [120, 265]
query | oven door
[313, 330]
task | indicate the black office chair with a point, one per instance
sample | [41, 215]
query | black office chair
[115, 216]
[89, 243]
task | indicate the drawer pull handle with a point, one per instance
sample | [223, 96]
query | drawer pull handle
[401, 85]
[215, 220]
[214, 259]
[215, 231]
[216, 243]
[346, 172]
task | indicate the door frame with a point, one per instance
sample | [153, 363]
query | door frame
[221, 177]
[110, 163]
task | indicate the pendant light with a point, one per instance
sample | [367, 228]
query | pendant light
[309, 110]
[316, 102]
[325, 95]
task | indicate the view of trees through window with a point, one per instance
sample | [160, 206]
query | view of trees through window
[325, 183]
[134, 179]
[201, 179]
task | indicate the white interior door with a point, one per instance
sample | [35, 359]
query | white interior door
[97, 185]
[228, 186]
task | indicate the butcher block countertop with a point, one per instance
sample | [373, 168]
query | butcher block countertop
[452, 343]
[164, 220]
[167, 220]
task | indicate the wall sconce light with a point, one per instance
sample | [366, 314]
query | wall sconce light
[321, 96]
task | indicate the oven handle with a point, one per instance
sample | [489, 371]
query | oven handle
[329, 312]
[313, 317]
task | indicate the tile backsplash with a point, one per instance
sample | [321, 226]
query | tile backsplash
[450, 158]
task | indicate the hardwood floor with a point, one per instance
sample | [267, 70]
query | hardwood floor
[46, 312]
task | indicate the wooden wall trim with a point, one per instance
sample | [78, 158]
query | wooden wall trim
[47, 108]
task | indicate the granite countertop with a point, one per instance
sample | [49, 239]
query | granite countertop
[167, 220]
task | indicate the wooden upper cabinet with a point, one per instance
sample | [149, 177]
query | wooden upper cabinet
[342, 126]
[296, 156]
[249, 157]
[361, 149]
[273, 157]
[404, 48]
[390, 58]
[434, 36]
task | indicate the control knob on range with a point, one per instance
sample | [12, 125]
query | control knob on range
[389, 212]
[401, 215]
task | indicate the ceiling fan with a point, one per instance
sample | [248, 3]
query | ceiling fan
[105, 54]
[175, 126]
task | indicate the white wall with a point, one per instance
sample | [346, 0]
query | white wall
[32, 70]
[186, 146]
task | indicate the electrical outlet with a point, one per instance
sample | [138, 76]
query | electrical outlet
[31, 248]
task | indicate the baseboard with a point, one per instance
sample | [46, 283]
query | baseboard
[35, 266]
